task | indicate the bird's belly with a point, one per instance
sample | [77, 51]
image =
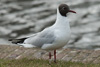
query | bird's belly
[62, 40]
[59, 42]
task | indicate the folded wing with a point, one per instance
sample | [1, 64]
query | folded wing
[45, 37]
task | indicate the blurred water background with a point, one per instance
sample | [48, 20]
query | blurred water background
[20, 18]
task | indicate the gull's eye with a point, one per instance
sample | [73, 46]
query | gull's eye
[63, 8]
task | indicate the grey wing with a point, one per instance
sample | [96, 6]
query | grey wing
[45, 37]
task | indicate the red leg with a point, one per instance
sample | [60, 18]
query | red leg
[55, 56]
[49, 55]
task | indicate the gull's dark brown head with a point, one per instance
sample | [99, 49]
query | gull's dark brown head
[64, 9]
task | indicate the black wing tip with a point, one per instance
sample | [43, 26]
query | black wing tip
[15, 41]
[10, 39]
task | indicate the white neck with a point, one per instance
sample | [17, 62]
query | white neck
[61, 21]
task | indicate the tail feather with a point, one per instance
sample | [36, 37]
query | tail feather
[15, 41]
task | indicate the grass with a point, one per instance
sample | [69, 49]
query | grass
[41, 63]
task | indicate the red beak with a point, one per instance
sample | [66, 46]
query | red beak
[72, 11]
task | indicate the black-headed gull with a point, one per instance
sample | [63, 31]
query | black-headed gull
[53, 37]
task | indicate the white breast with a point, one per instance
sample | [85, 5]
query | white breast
[62, 37]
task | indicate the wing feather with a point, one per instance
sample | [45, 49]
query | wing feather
[45, 37]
